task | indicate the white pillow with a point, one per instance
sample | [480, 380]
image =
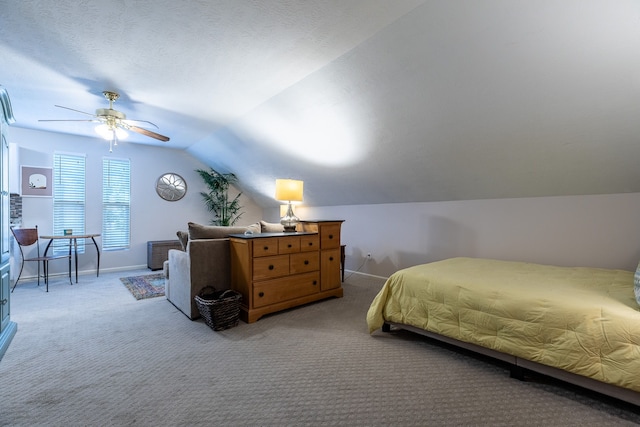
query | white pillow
[271, 227]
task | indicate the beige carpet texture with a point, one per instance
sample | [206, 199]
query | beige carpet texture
[90, 354]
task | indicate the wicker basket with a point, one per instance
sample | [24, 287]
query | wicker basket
[219, 309]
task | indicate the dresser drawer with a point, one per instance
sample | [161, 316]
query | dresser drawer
[286, 288]
[330, 270]
[304, 262]
[330, 237]
[289, 245]
[265, 247]
[272, 266]
[309, 243]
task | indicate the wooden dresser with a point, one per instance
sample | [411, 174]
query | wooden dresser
[277, 271]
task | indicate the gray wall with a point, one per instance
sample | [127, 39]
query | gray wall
[596, 231]
[152, 218]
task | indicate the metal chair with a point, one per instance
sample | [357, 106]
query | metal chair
[27, 237]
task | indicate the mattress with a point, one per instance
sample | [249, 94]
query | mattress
[582, 320]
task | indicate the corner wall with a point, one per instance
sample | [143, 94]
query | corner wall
[594, 231]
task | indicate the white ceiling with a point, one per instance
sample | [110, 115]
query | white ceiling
[367, 101]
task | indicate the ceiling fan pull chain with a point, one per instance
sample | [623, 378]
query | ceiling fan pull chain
[113, 141]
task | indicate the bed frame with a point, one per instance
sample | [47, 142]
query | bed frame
[518, 366]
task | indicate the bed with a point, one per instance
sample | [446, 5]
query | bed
[579, 324]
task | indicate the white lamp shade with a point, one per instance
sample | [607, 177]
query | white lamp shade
[289, 190]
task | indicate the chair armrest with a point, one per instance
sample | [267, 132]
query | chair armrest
[177, 288]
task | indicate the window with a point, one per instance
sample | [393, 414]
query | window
[68, 198]
[116, 204]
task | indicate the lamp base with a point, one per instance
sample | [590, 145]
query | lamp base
[289, 221]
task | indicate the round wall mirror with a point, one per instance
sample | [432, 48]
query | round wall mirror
[171, 187]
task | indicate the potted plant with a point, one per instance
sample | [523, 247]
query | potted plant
[226, 212]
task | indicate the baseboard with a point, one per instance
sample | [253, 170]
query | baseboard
[91, 271]
[125, 268]
[351, 272]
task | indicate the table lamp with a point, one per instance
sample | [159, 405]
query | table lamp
[289, 190]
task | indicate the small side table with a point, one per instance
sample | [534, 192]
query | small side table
[73, 240]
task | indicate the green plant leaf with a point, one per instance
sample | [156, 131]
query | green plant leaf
[225, 212]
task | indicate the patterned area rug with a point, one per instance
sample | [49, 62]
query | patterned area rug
[149, 286]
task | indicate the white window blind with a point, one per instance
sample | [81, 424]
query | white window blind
[68, 198]
[116, 204]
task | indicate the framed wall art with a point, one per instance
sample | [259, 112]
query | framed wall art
[36, 181]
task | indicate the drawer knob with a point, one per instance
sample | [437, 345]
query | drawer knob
[331, 236]
[310, 243]
[289, 245]
[261, 294]
[271, 267]
[306, 262]
[315, 282]
[330, 258]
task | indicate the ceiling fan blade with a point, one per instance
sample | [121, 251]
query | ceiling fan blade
[77, 111]
[130, 122]
[68, 120]
[147, 133]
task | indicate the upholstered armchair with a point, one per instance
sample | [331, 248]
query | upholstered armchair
[205, 261]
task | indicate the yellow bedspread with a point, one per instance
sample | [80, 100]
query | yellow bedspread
[582, 320]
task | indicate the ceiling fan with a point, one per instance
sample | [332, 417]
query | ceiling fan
[113, 122]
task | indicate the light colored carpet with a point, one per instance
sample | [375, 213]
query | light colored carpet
[88, 354]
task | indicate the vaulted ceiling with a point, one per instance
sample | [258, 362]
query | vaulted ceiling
[367, 101]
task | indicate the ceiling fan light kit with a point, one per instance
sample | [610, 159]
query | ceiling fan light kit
[106, 132]
[111, 133]
[113, 124]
